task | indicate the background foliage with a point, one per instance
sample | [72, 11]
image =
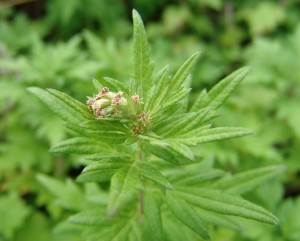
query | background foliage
[64, 44]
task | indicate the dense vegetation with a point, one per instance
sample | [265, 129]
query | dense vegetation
[64, 44]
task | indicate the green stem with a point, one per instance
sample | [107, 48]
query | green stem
[140, 195]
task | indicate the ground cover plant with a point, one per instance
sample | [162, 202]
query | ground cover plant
[137, 138]
[63, 45]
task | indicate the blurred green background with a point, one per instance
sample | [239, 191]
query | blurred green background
[64, 44]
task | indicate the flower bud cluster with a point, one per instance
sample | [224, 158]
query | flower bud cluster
[107, 103]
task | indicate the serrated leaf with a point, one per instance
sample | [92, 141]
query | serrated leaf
[152, 216]
[158, 85]
[214, 134]
[216, 201]
[107, 155]
[93, 217]
[68, 195]
[104, 124]
[180, 76]
[100, 172]
[73, 103]
[124, 186]
[248, 180]
[61, 108]
[79, 145]
[142, 63]
[148, 171]
[175, 99]
[221, 91]
[171, 151]
[187, 215]
[218, 220]
[180, 124]
[199, 178]
[113, 84]
[112, 137]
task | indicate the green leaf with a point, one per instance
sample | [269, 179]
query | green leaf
[79, 145]
[114, 84]
[158, 87]
[58, 106]
[100, 172]
[13, 214]
[248, 180]
[148, 171]
[124, 187]
[97, 85]
[221, 91]
[152, 216]
[68, 195]
[169, 103]
[173, 152]
[199, 177]
[214, 134]
[218, 219]
[180, 76]
[180, 124]
[187, 215]
[216, 201]
[93, 217]
[142, 65]
[74, 104]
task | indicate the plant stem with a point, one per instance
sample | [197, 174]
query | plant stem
[140, 195]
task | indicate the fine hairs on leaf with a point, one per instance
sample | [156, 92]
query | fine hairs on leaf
[138, 139]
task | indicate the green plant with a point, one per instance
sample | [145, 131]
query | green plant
[138, 138]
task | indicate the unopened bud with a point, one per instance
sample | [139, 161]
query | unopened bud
[136, 99]
[143, 117]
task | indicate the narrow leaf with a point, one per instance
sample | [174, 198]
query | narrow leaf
[61, 108]
[124, 186]
[220, 92]
[79, 145]
[180, 76]
[142, 66]
[152, 216]
[219, 202]
[148, 171]
[248, 180]
[100, 172]
[187, 215]
[215, 134]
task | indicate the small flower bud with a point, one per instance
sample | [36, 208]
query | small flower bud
[101, 103]
[137, 130]
[136, 99]
[143, 117]
[90, 102]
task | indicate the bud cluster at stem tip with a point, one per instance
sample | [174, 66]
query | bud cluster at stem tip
[107, 103]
